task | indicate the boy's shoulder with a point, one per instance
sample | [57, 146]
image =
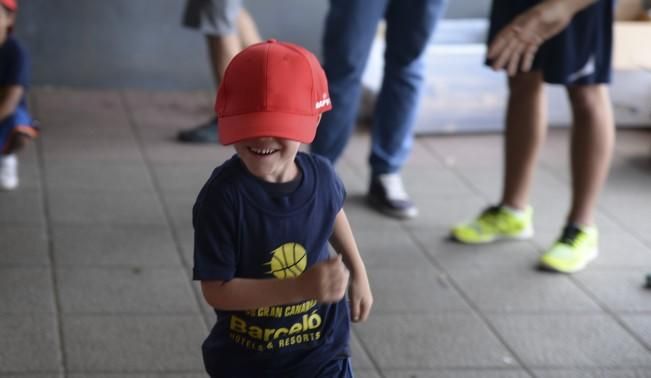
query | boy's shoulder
[319, 162]
[223, 179]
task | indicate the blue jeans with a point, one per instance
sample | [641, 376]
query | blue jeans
[349, 32]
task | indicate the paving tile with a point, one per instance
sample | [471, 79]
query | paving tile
[408, 341]
[621, 291]
[179, 205]
[126, 344]
[23, 245]
[468, 150]
[52, 375]
[359, 357]
[113, 176]
[640, 325]
[388, 248]
[185, 234]
[26, 290]
[592, 373]
[87, 101]
[183, 177]
[125, 290]
[421, 290]
[165, 149]
[507, 290]
[21, 207]
[422, 184]
[29, 343]
[114, 245]
[365, 373]
[570, 341]
[517, 255]
[362, 217]
[28, 175]
[446, 212]
[89, 207]
[198, 374]
[457, 373]
[91, 150]
[169, 110]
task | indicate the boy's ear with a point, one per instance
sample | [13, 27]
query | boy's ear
[318, 120]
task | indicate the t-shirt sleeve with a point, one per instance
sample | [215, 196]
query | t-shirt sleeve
[337, 187]
[17, 68]
[215, 256]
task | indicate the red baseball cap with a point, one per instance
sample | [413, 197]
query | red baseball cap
[272, 89]
[12, 5]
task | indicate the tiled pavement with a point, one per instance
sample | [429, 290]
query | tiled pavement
[95, 255]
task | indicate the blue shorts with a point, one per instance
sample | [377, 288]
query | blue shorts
[19, 122]
[579, 55]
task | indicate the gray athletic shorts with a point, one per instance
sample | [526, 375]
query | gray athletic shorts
[212, 17]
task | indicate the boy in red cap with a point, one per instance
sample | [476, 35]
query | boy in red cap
[16, 127]
[263, 222]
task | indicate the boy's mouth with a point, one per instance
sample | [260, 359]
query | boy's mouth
[262, 151]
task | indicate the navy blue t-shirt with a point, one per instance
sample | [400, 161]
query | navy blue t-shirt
[14, 70]
[243, 229]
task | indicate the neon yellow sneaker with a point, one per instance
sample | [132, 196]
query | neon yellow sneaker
[495, 223]
[573, 251]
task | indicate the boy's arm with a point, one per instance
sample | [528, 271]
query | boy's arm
[515, 46]
[343, 241]
[325, 281]
[9, 99]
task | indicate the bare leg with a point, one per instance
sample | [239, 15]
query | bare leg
[526, 126]
[246, 29]
[593, 136]
[221, 50]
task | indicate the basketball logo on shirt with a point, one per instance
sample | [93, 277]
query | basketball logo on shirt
[288, 261]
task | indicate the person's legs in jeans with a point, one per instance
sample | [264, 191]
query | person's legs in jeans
[410, 25]
[350, 28]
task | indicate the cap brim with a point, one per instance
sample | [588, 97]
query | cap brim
[233, 129]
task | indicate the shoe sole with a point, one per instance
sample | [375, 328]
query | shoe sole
[593, 256]
[525, 235]
[392, 213]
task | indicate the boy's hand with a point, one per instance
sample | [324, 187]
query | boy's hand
[326, 281]
[361, 298]
[515, 46]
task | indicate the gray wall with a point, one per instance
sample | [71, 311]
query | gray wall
[140, 43]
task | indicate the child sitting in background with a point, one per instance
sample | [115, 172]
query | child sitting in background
[16, 127]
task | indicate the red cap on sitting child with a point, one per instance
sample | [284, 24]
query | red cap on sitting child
[12, 5]
[272, 89]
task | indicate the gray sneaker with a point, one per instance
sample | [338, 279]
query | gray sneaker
[204, 133]
[387, 195]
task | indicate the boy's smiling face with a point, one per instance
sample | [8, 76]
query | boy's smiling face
[268, 158]
[6, 21]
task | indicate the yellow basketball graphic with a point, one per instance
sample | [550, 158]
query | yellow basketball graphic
[288, 261]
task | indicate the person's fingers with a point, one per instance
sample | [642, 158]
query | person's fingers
[527, 60]
[364, 311]
[355, 311]
[499, 43]
[514, 60]
[505, 55]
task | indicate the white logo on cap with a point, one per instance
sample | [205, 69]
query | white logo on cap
[321, 103]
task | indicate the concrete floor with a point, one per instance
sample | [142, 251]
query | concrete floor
[96, 252]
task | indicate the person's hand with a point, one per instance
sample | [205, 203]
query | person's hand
[515, 46]
[326, 281]
[360, 297]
